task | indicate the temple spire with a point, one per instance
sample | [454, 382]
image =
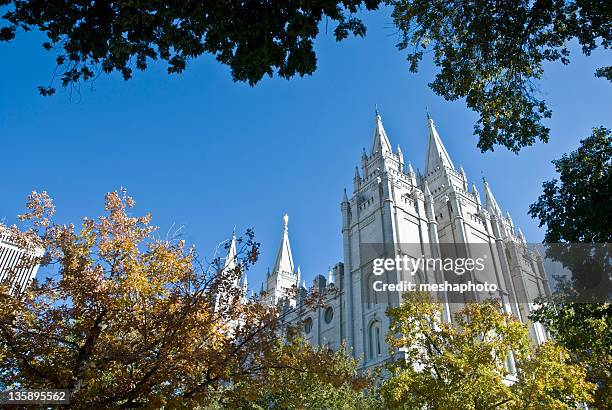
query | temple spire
[298, 275]
[381, 141]
[509, 218]
[230, 259]
[284, 259]
[476, 194]
[330, 277]
[427, 190]
[436, 152]
[490, 202]
[520, 235]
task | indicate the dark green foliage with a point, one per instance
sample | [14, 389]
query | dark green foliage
[254, 37]
[577, 207]
[492, 52]
[576, 211]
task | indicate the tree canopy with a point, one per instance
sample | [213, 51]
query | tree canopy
[254, 38]
[492, 53]
[128, 319]
[466, 364]
[575, 209]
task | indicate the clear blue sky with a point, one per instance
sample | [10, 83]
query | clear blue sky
[201, 151]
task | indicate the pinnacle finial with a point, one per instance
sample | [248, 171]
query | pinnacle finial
[427, 113]
[330, 276]
[286, 221]
[376, 110]
[427, 190]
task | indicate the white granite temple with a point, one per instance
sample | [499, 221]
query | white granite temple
[434, 214]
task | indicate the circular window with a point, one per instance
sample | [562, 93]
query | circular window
[307, 325]
[329, 314]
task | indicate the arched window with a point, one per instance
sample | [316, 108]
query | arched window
[329, 314]
[374, 334]
[307, 325]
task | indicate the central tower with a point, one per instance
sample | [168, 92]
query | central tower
[387, 208]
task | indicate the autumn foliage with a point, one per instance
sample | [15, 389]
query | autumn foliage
[127, 319]
[483, 360]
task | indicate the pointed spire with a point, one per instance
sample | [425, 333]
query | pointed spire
[344, 198]
[476, 193]
[436, 152]
[298, 274]
[463, 178]
[284, 259]
[230, 259]
[521, 237]
[509, 218]
[364, 163]
[304, 285]
[381, 142]
[490, 202]
[410, 170]
[356, 180]
[427, 191]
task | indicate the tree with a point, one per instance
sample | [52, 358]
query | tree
[575, 210]
[253, 38]
[585, 329]
[576, 207]
[127, 319]
[312, 378]
[492, 52]
[466, 364]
